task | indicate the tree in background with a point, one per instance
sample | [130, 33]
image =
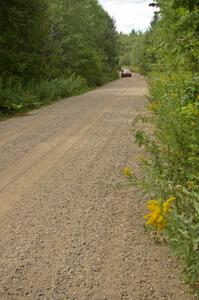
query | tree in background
[175, 35]
[23, 30]
[134, 52]
[43, 40]
[84, 39]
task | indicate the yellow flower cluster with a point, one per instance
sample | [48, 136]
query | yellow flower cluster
[128, 172]
[158, 215]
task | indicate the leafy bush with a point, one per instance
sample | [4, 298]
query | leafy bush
[47, 91]
[14, 97]
[182, 231]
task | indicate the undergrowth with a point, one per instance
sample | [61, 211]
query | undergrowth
[171, 168]
[15, 97]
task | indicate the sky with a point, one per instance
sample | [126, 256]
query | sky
[129, 14]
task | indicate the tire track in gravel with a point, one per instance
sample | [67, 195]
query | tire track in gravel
[94, 158]
[79, 214]
[15, 134]
[28, 125]
[35, 122]
[15, 180]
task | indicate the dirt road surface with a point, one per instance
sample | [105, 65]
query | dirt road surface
[69, 228]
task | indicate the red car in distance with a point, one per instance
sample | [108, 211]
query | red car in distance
[126, 73]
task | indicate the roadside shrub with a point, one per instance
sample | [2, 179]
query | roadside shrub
[47, 91]
[183, 233]
[168, 54]
[15, 97]
[171, 168]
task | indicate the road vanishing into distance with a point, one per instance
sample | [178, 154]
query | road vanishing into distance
[70, 226]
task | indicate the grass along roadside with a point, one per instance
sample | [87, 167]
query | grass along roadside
[16, 99]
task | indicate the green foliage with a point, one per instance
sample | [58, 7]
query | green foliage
[44, 42]
[83, 39]
[22, 35]
[15, 97]
[134, 52]
[173, 160]
[180, 52]
[171, 168]
[59, 88]
[125, 42]
[182, 231]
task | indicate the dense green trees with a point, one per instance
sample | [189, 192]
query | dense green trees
[22, 35]
[175, 36]
[86, 35]
[133, 51]
[43, 40]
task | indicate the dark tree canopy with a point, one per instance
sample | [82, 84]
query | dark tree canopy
[22, 36]
[46, 39]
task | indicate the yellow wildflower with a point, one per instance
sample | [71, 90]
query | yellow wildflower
[157, 216]
[167, 205]
[153, 204]
[128, 172]
[161, 225]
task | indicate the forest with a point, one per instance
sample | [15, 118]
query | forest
[53, 49]
[168, 54]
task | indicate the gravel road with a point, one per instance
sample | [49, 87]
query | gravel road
[70, 228]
